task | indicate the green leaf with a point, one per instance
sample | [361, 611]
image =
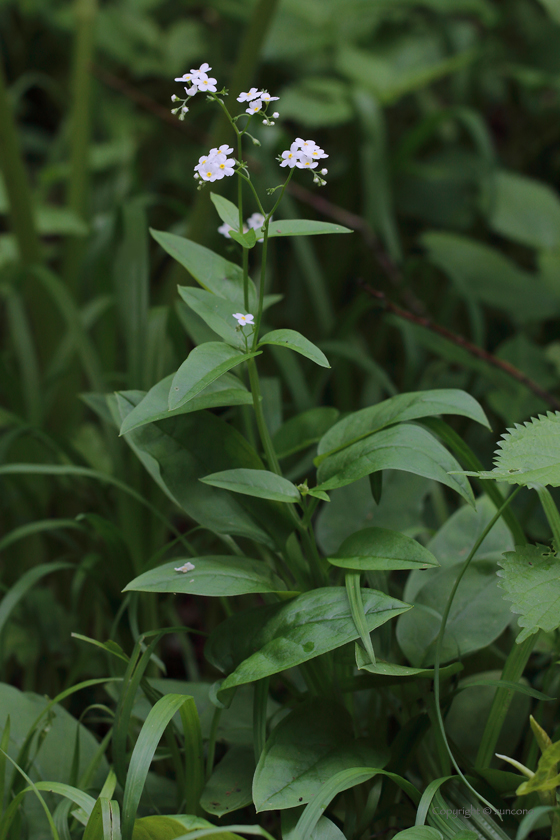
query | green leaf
[553, 9]
[325, 829]
[381, 549]
[24, 584]
[227, 210]
[52, 220]
[210, 575]
[546, 776]
[260, 483]
[403, 447]
[229, 788]
[178, 826]
[530, 577]
[211, 271]
[228, 389]
[484, 274]
[217, 312]
[303, 430]
[304, 751]
[246, 240]
[529, 453]
[179, 451]
[295, 341]
[398, 409]
[158, 718]
[266, 640]
[334, 785]
[390, 669]
[104, 821]
[419, 832]
[302, 227]
[478, 615]
[525, 210]
[203, 365]
[317, 102]
[354, 593]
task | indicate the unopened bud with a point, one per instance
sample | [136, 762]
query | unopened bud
[324, 171]
[276, 115]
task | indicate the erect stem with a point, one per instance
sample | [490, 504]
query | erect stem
[269, 452]
[261, 284]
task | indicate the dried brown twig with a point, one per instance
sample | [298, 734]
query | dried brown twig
[473, 349]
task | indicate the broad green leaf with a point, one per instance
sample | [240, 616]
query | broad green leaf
[525, 210]
[295, 341]
[217, 312]
[325, 829]
[478, 615]
[229, 788]
[260, 483]
[226, 390]
[302, 227]
[263, 641]
[403, 447]
[391, 669]
[398, 409]
[227, 210]
[303, 430]
[530, 578]
[379, 548]
[203, 365]
[179, 451]
[304, 751]
[246, 240]
[211, 271]
[546, 776]
[421, 832]
[484, 274]
[529, 453]
[177, 825]
[341, 781]
[210, 575]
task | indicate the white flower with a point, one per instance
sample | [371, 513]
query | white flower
[209, 171]
[255, 221]
[225, 229]
[254, 107]
[203, 82]
[223, 167]
[266, 97]
[223, 150]
[324, 171]
[191, 91]
[242, 320]
[188, 77]
[306, 146]
[247, 97]
[187, 567]
[306, 162]
[317, 153]
[290, 158]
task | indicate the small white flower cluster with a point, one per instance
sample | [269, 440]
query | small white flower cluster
[255, 221]
[244, 320]
[199, 80]
[215, 165]
[305, 154]
[258, 99]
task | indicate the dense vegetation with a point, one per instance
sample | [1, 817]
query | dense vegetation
[261, 571]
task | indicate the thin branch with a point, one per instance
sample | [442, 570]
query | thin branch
[473, 349]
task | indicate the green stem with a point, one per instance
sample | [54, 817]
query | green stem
[15, 179]
[266, 440]
[212, 742]
[551, 513]
[80, 128]
[261, 285]
[260, 702]
[439, 642]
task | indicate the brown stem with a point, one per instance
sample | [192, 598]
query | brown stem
[473, 349]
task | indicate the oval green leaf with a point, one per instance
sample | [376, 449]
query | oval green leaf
[217, 312]
[381, 549]
[212, 575]
[302, 227]
[294, 340]
[227, 210]
[203, 365]
[260, 483]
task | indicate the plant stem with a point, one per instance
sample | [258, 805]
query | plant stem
[212, 742]
[261, 285]
[15, 178]
[80, 128]
[266, 441]
[439, 643]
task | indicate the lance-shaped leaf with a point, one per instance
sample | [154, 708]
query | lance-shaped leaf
[227, 210]
[212, 575]
[260, 483]
[391, 669]
[246, 240]
[303, 430]
[227, 390]
[302, 227]
[304, 751]
[203, 365]
[529, 453]
[381, 549]
[296, 341]
[530, 577]
[546, 777]
[403, 447]
[398, 409]
[210, 270]
[267, 640]
[229, 787]
[216, 311]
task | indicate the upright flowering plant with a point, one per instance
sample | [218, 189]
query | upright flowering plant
[313, 632]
